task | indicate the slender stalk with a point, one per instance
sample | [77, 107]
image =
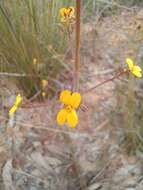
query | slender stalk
[77, 51]
[105, 81]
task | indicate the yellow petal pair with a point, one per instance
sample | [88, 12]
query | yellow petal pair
[70, 118]
[71, 99]
[134, 69]
[66, 13]
[68, 114]
[15, 105]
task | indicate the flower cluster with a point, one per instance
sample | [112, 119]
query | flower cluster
[67, 115]
[67, 15]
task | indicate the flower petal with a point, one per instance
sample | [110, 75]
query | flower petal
[62, 116]
[63, 12]
[65, 97]
[137, 68]
[15, 105]
[72, 119]
[18, 100]
[12, 110]
[137, 71]
[75, 100]
[130, 63]
[70, 11]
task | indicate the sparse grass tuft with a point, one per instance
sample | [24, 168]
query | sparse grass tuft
[128, 115]
[29, 31]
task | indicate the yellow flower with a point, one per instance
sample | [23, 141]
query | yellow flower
[67, 14]
[15, 105]
[68, 114]
[134, 69]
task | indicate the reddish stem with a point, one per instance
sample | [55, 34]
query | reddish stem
[77, 51]
[105, 81]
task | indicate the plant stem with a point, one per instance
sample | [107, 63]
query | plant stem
[105, 81]
[77, 51]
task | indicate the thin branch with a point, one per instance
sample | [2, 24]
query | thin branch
[41, 126]
[24, 75]
[5, 74]
[105, 81]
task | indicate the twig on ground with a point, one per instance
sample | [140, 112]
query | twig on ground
[29, 175]
[44, 127]
[116, 4]
[101, 172]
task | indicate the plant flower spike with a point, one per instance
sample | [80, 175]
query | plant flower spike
[15, 105]
[68, 115]
[134, 69]
[67, 14]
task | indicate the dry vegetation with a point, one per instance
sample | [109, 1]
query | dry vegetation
[105, 150]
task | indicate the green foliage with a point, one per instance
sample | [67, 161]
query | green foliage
[29, 29]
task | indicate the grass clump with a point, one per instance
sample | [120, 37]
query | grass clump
[31, 41]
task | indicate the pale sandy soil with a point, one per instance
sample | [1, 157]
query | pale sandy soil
[35, 154]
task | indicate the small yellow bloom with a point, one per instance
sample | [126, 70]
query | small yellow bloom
[43, 94]
[44, 83]
[34, 61]
[68, 114]
[15, 105]
[134, 69]
[67, 14]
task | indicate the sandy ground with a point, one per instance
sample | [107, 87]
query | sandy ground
[35, 154]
